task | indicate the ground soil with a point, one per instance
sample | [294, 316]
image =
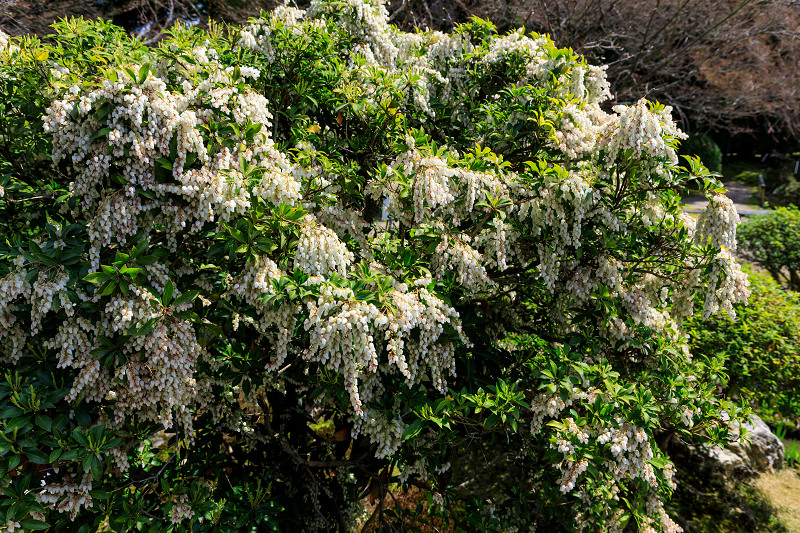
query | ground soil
[782, 489]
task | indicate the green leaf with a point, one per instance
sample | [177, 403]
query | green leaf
[108, 288]
[34, 525]
[101, 133]
[10, 411]
[44, 422]
[186, 297]
[80, 438]
[55, 455]
[146, 260]
[96, 467]
[103, 112]
[37, 456]
[71, 455]
[413, 429]
[87, 462]
[168, 290]
[148, 327]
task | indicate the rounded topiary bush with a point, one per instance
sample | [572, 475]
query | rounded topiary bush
[772, 240]
[265, 277]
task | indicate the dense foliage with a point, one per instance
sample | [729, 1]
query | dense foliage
[253, 275]
[760, 349]
[772, 240]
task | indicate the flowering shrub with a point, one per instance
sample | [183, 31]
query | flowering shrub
[254, 274]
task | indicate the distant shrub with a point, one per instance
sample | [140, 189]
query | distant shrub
[773, 241]
[788, 193]
[760, 349]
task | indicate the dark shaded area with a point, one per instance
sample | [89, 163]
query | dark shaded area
[143, 18]
[710, 501]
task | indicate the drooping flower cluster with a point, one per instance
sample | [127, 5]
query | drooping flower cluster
[122, 132]
[180, 510]
[12, 288]
[717, 223]
[342, 339]
[320, 252]
[455, 255]
[276, 325]
[68, 497]
[727, 285]
[581, 130]
[644, 132]
[345, 332]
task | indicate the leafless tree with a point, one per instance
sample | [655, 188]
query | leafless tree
[143, 18]
[724, 65]
[730, 65]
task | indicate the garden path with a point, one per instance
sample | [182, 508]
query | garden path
[741, 194]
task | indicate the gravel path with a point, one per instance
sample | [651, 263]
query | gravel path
[738, 192]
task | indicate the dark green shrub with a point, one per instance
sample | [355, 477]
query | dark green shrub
[772, 241]
[760, 349]
[788, 194]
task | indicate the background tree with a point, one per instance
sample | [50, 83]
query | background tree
[725, 67]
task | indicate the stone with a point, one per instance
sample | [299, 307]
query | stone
[760, 450]
[765, 451]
